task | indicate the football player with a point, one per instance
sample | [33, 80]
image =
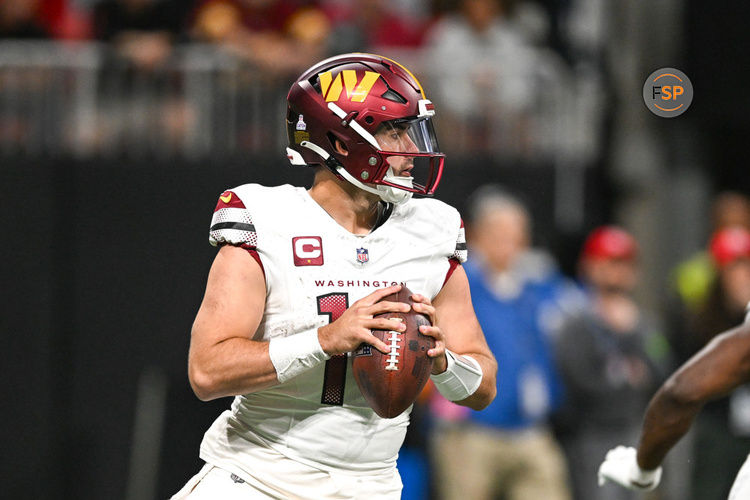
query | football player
[720, 367]
[298, 279]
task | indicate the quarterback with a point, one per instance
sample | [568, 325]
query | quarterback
[297, 282]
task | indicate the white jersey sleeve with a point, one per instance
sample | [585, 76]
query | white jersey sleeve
[232, 222]
[439, 223]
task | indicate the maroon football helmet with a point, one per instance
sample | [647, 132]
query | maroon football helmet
[378, 111]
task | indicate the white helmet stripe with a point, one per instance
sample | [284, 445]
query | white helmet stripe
[337, 110]
[353, 124]
[317, 149]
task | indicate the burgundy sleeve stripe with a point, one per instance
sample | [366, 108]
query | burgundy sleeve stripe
[252, 251]
[453, 263]
[240, 226]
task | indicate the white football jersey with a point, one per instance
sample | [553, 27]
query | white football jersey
[314, 270]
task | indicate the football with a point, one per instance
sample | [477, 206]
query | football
[391, 382]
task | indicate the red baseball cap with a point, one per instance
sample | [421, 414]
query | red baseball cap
[730, 244]
[609, 242]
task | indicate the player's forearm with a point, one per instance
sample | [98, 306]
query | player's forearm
[719, 367]
[487, 389]
[231, 367]
[667, 419]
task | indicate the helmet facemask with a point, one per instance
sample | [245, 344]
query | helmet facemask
[410, 156]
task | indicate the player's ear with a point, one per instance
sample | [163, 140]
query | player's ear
[340, 148]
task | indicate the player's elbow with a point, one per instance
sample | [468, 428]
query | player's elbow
[482, 398]
[680, 393]
[204, 386]
[486, 392]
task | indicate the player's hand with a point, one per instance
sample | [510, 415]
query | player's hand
[423, 305]
[354, 326]
[620, 467]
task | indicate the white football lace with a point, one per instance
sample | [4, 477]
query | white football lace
[394, 354]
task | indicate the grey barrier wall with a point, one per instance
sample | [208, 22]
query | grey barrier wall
[104, 265]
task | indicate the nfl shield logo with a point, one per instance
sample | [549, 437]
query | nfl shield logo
[362, 255]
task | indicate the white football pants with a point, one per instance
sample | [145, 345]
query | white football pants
[287, 479]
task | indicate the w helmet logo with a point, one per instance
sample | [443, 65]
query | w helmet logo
[347, 79]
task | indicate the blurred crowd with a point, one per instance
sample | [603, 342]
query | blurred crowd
[503, 71]
[279, 35]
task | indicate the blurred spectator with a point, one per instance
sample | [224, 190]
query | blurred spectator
[141, 91]
[66, 19]
[142, 32]
[611, 359]
[482, 68]
[22, 87]
[279, 36]
[722, 430]
[730, 290]
[693, 279]
[372, 25]
[693, 276]
[507, 449]
[20, 19]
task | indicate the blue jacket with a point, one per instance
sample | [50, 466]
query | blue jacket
[528, 387]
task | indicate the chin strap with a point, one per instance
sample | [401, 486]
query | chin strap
[388, 194]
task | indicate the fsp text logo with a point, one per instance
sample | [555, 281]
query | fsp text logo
[668, 92]
[331, 87]
[308, 250]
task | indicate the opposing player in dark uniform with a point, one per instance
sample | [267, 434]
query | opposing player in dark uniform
[720, 367]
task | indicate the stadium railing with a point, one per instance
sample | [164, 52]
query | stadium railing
[83, 100]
